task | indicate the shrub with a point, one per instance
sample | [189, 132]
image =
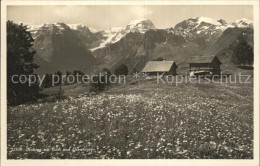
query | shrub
[101, 81]
[121, 70]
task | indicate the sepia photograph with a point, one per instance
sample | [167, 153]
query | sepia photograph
[130, 81]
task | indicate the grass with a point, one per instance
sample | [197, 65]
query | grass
[145, 120]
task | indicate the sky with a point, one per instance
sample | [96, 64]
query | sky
[105, 17]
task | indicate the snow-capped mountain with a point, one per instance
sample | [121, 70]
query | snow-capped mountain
[207, 28]
[58, 43]
[113, 35]
[139, 26]
[33, 28]
[81, 26]
[110, 36]
[243, 23]
[75, 26]
[196, 27]
[105, 37]
[56, 28]
[58, 47]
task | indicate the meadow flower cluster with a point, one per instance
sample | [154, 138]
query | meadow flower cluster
[189, 121]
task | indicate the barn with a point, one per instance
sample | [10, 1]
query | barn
[203, 64]
[160, 67]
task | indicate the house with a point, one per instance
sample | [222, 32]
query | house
[204, 64]
[160, 67]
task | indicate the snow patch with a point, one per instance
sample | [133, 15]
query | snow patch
[141, 25]
[207, 20]
[93, 30]
[75, 26]
[112, 35]
[137, 21]
[243, 23]
[33, 28]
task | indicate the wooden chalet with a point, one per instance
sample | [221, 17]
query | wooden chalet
[160, 67]
[204, 65]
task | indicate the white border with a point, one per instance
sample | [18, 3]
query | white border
[152, 162]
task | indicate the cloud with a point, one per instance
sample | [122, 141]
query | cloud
[140, 11]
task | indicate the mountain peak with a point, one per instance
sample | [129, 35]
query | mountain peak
[139, 21]
[222, 22]
[58, 25]
[243, 23]
[207, 20]
[140, 25]
[81, 27]
[245, 20]
[75, 26]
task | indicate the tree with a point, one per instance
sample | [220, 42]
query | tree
[101, 81]
[68, 73]
[106, 72]
[78, 76]
[20, 56]
[69, 80]
[243, 53]
[58, 78]
[51, 81]
[75, 72]
[134, 71]
[47, 81]
[60, 94]
[121, 70]
[107, 75]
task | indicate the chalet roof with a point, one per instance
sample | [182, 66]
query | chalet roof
[202, 59]
[158, 66]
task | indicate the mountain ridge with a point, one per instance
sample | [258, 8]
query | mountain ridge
[134, 44]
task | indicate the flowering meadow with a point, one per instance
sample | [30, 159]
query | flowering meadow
[144, 121]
